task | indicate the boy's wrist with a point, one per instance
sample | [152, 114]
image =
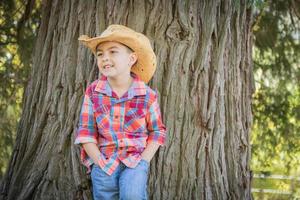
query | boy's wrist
[149, 151]
[146, 158]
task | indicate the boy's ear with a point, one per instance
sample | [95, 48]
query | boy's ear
[133, 58]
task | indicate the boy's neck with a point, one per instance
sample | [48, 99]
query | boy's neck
[120, 84]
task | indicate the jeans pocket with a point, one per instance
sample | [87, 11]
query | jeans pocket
[145, 165]
[145, 161]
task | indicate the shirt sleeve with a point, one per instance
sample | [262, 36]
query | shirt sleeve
[155, 126]
[87, 128]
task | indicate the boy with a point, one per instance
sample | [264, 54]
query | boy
[120, 125]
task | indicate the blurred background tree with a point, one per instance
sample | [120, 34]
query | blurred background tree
[276, 109]
[19, 21]
[276, 104]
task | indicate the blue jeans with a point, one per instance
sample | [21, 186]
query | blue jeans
[125, 183]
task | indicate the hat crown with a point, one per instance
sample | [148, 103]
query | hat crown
[116, 29]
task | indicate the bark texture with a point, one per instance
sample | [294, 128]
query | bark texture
[204, 78]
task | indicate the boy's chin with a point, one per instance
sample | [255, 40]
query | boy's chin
[109, 74]
[113, 74]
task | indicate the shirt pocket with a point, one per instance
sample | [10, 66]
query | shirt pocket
[134, 121]
[102, 115]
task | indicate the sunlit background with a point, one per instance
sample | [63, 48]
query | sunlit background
[275, 136]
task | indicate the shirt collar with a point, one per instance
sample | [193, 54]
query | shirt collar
[137, 88]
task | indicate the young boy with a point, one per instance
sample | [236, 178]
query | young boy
[120, 126]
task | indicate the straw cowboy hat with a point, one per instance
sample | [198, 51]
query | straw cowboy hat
[138, 42]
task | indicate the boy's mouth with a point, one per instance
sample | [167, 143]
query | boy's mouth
[107, 66]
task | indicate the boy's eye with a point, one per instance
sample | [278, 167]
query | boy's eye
[113, 51]
[99, 54]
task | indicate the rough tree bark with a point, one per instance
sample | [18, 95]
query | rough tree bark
[204, 78]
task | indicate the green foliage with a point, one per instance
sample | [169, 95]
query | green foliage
[258, 4]
[276, 105]
[19, 22]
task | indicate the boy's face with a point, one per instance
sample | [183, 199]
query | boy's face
[115, 59]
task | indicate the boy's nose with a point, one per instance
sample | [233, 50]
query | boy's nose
[104, 57]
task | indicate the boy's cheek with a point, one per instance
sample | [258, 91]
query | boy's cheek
[98, 62]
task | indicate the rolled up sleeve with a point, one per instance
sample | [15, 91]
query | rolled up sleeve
[155, 126]
[87, 128]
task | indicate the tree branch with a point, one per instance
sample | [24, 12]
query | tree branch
[25, 17]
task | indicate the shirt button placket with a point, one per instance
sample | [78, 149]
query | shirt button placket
[121, 144]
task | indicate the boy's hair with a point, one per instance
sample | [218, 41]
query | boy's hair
[129, 50]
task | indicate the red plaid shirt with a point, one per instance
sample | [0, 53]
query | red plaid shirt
[121, 127]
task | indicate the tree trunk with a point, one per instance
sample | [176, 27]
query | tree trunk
[205, 82]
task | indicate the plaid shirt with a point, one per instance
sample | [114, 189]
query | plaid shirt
[121, 127]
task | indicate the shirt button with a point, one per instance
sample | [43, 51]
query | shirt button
[116, 117]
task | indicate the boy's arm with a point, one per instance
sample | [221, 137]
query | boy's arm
[156, 129]
[87, 129]
[92, 150]
[149, 151]
[87, 134]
